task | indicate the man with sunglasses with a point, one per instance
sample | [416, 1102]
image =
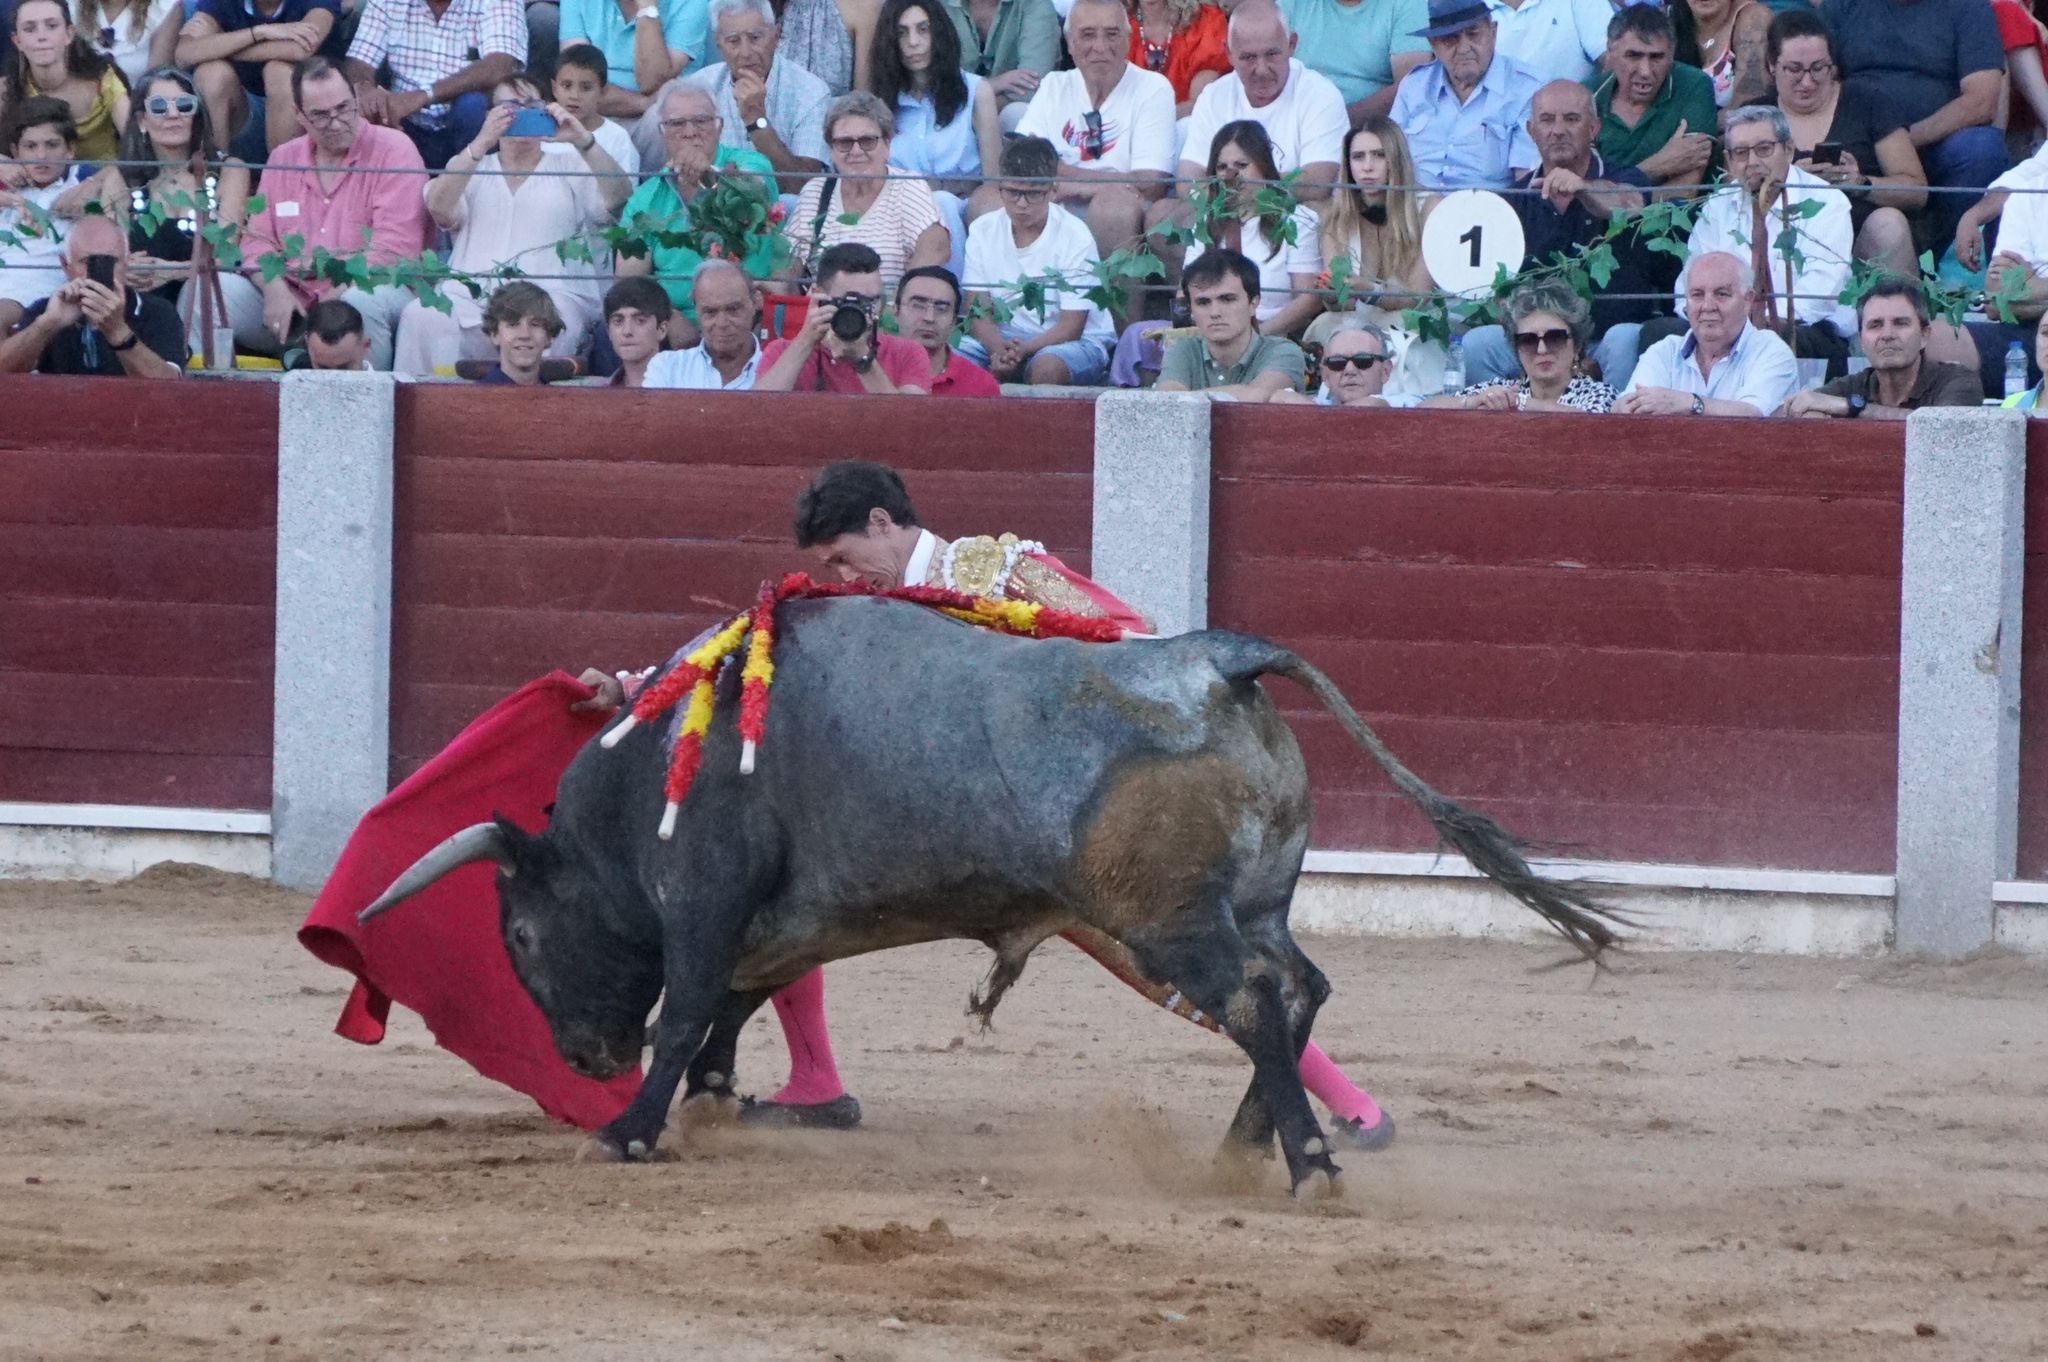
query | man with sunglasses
[1355, 367]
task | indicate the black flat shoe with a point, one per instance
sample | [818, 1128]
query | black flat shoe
[841, 1113]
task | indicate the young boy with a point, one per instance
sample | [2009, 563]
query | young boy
[35, 218]
[636, 313]
[520, 321]
[1034, 238]
[579, 83]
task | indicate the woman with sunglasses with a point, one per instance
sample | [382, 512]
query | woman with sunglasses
[1184, 40]
[1551, 326]
[167, 129]
[51, 57]
[1875, 161]
[895, 216]
[136, 35]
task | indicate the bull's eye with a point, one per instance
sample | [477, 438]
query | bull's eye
[522, 936]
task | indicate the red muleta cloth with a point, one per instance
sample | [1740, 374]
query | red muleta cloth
[440, 952]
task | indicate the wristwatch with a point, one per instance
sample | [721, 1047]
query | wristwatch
[1857, 402]
[1699, 405]
[758, 125]
[134, 339]
[646, 12]
[864, 363]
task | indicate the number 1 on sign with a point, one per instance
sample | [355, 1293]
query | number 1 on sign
[1472, 237]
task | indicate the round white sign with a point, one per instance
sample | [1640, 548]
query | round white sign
[1471, 235]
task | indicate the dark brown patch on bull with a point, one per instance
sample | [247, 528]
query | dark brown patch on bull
[1156, 836]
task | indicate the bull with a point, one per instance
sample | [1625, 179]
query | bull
[921, 779]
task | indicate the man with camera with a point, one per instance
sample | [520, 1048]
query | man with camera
[839, 348]
[94, 323]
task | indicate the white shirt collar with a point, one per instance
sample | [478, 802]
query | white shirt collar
[920, 565]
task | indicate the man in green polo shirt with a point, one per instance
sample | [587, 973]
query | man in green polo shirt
[689, 130]
[1655, 114]
[1230, 358]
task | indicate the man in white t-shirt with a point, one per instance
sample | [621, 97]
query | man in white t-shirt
[1300, 109]
[1063, 338]
[1111, 123]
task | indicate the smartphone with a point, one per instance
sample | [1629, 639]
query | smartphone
[100, 269]
[1827, 154]
[531, 123]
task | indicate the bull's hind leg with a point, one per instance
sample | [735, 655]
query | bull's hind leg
[1245, 989]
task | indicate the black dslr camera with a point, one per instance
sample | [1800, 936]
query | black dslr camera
[853, 315]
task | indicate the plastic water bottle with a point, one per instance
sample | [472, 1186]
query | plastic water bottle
[1454, 367]
[2015, 369]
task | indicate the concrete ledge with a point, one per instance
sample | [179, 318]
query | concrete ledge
[100, 853]
[333, 700]
[149, 816]
[1744, 879]
[1151, 541]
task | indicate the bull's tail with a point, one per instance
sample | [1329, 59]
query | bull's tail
[1496, 853]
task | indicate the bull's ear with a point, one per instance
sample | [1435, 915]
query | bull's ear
[516, 848]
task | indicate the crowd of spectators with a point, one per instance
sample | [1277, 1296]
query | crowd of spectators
[1732, 207]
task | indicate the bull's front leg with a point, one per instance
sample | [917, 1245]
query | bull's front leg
[696, 989]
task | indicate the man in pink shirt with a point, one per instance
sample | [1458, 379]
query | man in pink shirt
[819, 359]
[332, 204]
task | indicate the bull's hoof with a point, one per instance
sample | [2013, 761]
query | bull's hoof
[1355, 1134]
[703, 1110]
[841, 1113]
[1320, 1184]
[597, 1149]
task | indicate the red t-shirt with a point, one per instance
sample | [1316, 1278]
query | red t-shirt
[2016, 29]
[1201, 46]
[964, 378]
[905, 362]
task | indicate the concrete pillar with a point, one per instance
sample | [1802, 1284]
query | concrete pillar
[1959, 674]
[1152, 505]
[331, 755]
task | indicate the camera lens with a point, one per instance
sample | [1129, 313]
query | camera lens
[849, 323]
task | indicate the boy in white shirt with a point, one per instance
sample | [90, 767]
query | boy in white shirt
[1034, 239]
[36, 217]
[580, 74]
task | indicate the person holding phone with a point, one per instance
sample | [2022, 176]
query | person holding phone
[505, 221]
[94, 323]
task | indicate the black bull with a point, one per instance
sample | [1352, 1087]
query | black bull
[919, 780]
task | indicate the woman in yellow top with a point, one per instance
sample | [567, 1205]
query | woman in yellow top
[51, 57]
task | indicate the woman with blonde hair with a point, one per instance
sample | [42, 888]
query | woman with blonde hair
[1373, 224]
[136, 35]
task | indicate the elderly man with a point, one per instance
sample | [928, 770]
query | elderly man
[317, 193]
[1565, 204]
[928, 303]
[728, 357]
[776, 108]
[1355, 369]
[85, 327]
[1723, 366]
[1111, 122]
[1464, 113]
[1299, 109]
[691, 151]
[1365, 47]
[1892, 322]
[1656, 114]
[1762, 216]
[445, 57]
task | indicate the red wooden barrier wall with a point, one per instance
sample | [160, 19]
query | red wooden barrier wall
[560, 528]
[137, 578]
[1645, 639]
[2033, 839]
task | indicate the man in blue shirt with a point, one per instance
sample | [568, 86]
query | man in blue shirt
[1464, 112]
[241, 54]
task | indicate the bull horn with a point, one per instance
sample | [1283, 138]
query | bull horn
[478, 842]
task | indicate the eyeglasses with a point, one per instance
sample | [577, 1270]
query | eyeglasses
[1094, 142]
[867, 141]
[927, 307]
[326, 117]
[1335, 363]
[1023, 193]
[1736, 153]
[694, 123]
[1529, 342]
[164, 104]
[1817, 70]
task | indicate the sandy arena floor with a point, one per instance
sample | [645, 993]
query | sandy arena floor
[1695, 1158]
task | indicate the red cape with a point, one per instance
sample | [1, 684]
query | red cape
[440, 953]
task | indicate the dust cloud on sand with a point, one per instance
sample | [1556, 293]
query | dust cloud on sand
[1694, 1158]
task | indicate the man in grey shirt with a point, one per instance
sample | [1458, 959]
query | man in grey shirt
[1229, 359]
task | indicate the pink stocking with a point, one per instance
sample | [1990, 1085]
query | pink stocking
[1321, 1076]
[813, 1078]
